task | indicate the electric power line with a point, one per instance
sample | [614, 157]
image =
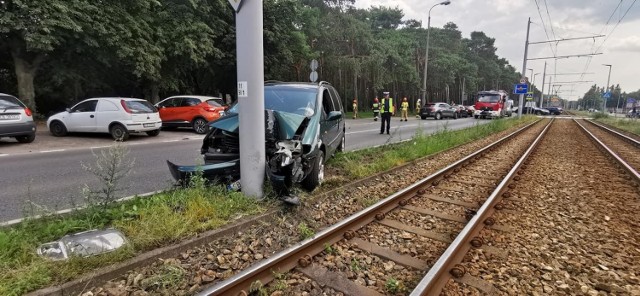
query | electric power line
[544, 27]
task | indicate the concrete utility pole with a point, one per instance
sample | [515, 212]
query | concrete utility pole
[426, 54]
[250, 61]
[524, 67]
[604, 104]
[544, 75]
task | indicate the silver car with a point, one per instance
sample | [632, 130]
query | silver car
[16, 120]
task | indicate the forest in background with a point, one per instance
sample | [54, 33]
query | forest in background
[56, 52]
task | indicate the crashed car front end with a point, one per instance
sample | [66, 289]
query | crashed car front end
[289, 139]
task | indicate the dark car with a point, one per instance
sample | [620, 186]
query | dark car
[438, 111]
[554, 110]
[305, 126]
[462, 111]
[16, 120]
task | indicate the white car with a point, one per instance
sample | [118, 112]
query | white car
[117, 116]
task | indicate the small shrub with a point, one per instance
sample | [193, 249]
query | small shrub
[111, 167]
[394, 286]
[305, 231]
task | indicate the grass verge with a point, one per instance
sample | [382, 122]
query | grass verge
[147, 222]
[370, 161]
[631, 125]
[169, 217]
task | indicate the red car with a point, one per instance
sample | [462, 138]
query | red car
[190, 111]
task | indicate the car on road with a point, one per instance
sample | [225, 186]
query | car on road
[116, 116]
[554, 110]
[470, 110]
[304, 126]
[632, 114]
[16, 120]
[462, 111]
[438, 111]
[190, 111]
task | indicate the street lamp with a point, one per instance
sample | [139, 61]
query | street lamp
[604, 103]
[426, 58]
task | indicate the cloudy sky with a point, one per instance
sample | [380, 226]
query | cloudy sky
[506, 21]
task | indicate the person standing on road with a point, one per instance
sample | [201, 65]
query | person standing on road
[376, 109]
[418, 106]
[355, 109]
[405, 109]
[387, 111]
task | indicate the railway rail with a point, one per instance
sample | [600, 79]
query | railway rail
[454, 203]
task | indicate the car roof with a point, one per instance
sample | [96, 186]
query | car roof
[204, 98]
[114, 99]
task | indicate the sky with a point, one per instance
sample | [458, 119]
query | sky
[506, 21]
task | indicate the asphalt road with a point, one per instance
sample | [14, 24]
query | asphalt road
[55, 178]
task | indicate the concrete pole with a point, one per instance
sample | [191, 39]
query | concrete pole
[250, 60]
[544, 75]
[604, 103]
[524, 67]
[426, 59]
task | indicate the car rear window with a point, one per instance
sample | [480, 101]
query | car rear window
[214, 103]
[141, 107]
[10, 102]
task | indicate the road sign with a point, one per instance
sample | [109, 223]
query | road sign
[607, 95]
[243, 89]
[236, 4]
[313, 76]
[529, 96]
[520, 89]
[314, 65]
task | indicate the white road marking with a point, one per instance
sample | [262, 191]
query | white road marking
[55, 150]
[169, 141]
[1, 155]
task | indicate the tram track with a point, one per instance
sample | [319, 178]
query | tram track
[367, 257]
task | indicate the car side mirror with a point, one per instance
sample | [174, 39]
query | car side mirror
[334, 115]
[69, 110]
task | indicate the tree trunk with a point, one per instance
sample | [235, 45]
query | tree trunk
[26, 66]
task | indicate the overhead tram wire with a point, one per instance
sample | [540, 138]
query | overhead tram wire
[616, 26]
[588, 62]
[544, 26]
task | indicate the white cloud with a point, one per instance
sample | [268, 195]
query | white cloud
[506, 21]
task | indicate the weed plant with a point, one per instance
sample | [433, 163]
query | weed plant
[630, 125]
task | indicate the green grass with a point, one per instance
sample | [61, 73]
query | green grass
[367, 162]
[625, 124]
[147, 222]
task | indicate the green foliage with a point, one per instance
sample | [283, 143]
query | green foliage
[632, 125]
[305, 231]
[394, 286]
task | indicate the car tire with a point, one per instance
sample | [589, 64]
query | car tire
[26, 139]
[153, 133]
[475, 116]
[438, 116]
[200, 125]
[119, 132]
[423, 117]
[316, 176]
[57, 129]
[343, 144]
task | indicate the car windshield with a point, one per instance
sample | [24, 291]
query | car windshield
[297, 100]
[488, 98]
[214, 103]
[141, 107]
[7, 102]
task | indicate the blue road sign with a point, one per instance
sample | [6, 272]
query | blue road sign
[607, 95]
[521, 89]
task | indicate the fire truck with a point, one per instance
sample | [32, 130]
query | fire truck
[492, 104]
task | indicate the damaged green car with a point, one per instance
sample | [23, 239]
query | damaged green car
[304, 126]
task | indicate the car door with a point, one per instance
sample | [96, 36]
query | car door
[329, 128]
[167, 108]
[82, 117]
[188, 109]
[106, 112]
[447, 110]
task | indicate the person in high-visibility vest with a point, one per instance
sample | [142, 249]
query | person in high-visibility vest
[418, 106]
[387, 110]
[376, 109]
[405, 109]
[355, 109]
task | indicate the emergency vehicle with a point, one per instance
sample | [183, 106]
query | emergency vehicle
[492, 104]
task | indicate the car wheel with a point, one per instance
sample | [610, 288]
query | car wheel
[26, 139]
[538, 113]
[57, 129]
[153, 133]
[316, 176]
[438, 116]
[200, 126]
[119, 132]
[343, 144]
[423, 117]
[475, 116]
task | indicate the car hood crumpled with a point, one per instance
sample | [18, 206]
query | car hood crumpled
[288, 124]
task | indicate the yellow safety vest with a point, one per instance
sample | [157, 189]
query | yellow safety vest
[376, 106]
[383, 103]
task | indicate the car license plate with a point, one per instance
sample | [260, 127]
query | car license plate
[9, 116]
[149, 124]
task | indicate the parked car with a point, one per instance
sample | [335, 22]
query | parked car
[117, 116]
[470, 110]
[190, 111]
[554, 110]
[630, 114]
[438, 111]
[305, 126]
[16, 120]
[461, 111]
